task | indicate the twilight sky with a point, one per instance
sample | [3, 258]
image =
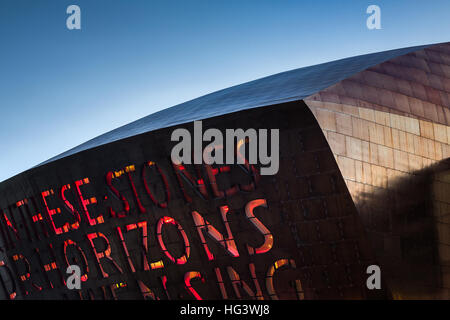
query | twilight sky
[60, 87]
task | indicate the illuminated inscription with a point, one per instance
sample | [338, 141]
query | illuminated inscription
[163, 240]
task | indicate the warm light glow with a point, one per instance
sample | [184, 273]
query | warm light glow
[169, 220]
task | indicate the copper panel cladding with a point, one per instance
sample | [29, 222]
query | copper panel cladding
[388, 127]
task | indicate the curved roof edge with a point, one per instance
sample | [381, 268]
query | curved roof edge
[287, 86]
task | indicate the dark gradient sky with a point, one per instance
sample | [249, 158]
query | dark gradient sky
[60, 87]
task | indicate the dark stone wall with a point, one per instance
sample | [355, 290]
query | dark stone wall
[309, 212]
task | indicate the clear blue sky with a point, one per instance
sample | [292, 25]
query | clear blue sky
[60, 87]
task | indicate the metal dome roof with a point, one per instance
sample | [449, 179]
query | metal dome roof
[287, 86]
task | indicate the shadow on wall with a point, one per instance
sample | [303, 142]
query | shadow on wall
[409, 226]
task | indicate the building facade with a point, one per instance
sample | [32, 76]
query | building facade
[363, 180]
